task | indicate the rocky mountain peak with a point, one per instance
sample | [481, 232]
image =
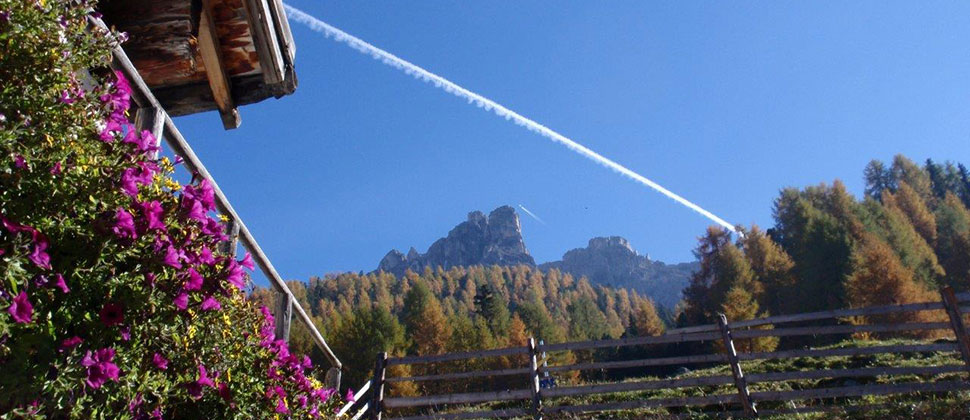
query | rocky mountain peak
[480, 240]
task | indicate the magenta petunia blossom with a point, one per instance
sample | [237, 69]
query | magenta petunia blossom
[206, 257]
[194, 280]
[56, 169]
[124, 224]
[281, 407]
[125, 333]
[247, 262]
[195, 388]
[210, 304]
[20, 162]
[112, 314]
[181, 301]
[39, 255]
[224, 392]
[20, 308]
[66, 98]
[108, 133]
[152, 212]
[100, 367]
[69, 343]
[350, 395]
[172, 257]
[236, 276]
[192, 209]
[60, 283]
[160, 361]
[203, 193]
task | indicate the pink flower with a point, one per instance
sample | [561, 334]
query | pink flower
[108, 133]
[236, 276]
[19, 162]
[181, 301]
[60, 283]
[350, 395]
[56, 169]
[171, 258]
[281, 407]
[194, 281]
[152, 212]
[20, 308]
[210, 304]
[125, 333]
[70, 343]
[195, 388]
[112, 314]
[159, 361]
[206, 257]
[39, 255]
[247, 262]
[192, 209]
[124, 224]
[100, 367]
[203, 193]
[66, 98]
[224, 392]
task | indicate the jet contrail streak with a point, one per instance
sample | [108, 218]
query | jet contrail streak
[482, 102]
[531, 214]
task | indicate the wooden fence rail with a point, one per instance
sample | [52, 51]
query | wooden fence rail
[529, 400]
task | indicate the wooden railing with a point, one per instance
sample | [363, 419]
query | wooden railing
[726, 393]
[151, 116]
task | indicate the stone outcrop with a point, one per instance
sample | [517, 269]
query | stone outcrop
[612, 261]
[480, 240]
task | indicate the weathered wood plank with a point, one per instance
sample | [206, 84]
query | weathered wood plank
[841, 329]
[264, 36]
[466, 398]
[215, 70]
[631, 341]
[850, 351]
[565, 391]
[855, 391]
[511, 412]
[739, 380]
[653, 402]
[412, 360]
[460, 375]
[814, 316]
[377, 401]
[663, 361]
[534, 380]
[284, 315]
[956, 323]
[853, 373]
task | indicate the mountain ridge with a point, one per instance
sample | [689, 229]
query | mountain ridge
[496, 239]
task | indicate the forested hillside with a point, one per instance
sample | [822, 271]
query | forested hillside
[463, 308]
[908, 235]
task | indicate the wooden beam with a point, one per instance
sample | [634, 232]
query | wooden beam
[261, 26]
[739, 380]
[215, 69]
[956, 322]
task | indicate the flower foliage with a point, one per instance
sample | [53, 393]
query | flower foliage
[118, 296]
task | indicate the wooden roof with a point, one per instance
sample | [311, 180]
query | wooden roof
[202, 55]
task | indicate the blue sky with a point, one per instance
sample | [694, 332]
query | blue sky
[723, 103]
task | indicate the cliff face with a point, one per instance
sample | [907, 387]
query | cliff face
[497, 240]
[612, 261]
[480, 240]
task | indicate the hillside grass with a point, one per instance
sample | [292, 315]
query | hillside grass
[948, 405]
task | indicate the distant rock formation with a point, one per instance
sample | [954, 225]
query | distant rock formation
[480, 240]
[497, 240]
[612, 261]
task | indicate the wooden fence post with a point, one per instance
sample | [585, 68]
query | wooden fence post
[377, 386]
[739, 380]
[534, 381]
[284, 315]
[952, 306]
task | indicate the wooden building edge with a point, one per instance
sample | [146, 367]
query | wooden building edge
[204, 55]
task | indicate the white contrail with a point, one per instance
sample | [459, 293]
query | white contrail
[531, 214]
[482, 102]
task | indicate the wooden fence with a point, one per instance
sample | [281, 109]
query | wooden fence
[528, 400]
